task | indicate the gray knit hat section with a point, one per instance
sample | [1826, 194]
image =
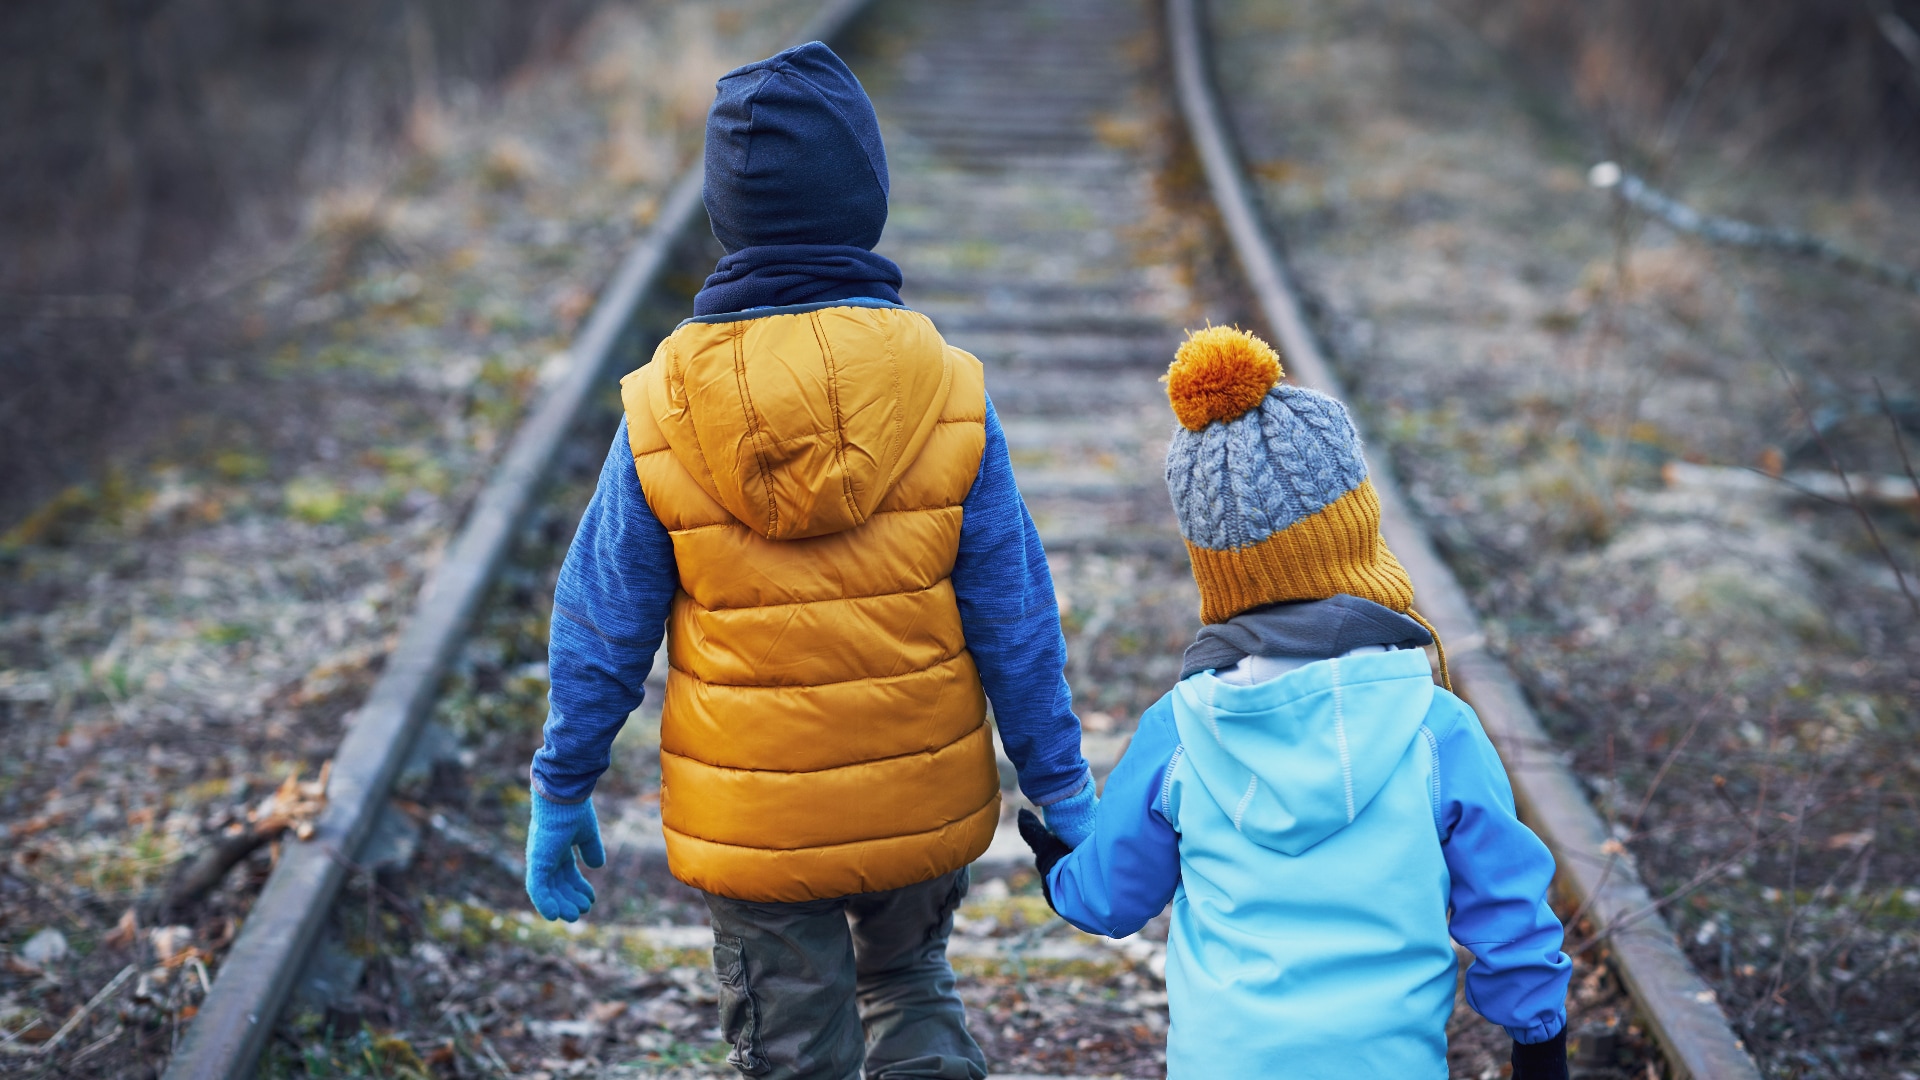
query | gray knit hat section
[1237, 482]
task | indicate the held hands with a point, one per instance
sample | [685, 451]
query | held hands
[1071, 819]
[554, 883]
[1541, 1061]
[1069, 822]
[1048, 849]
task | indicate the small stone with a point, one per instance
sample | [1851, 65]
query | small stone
[451, 921]
[45, 948]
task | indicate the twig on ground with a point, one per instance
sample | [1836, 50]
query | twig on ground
[1752, 317]
[1706, 875]
[1617, 849]
[292, 807]
[97, 1045]
[211, 865]
[24, 1028]
[464, 1019]
[1793, 914]
[73, 1021]
[1823, 486]
[1766, 772]
[1724, 230]
[1846, 487]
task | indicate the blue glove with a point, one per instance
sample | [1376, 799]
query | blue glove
[554, 883]
[1071, 819]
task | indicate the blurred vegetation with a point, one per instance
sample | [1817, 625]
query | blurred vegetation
[1840, 77]
[157, 152]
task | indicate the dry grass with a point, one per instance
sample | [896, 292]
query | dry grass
[1757, 73]
[157, 153]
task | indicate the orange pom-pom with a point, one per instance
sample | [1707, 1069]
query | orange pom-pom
[1218, 374]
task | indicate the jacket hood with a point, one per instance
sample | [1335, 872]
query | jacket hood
[1295, 759]
[800, 423]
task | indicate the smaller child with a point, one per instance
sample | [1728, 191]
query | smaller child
[1321, 815]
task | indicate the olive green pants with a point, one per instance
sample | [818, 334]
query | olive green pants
[822, 989]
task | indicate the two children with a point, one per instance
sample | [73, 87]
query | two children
[810, 499]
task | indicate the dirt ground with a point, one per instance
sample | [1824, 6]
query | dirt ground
[1730, 661]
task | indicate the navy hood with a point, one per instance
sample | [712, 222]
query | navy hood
[794, 155]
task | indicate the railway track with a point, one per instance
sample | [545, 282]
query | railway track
[1032, 154]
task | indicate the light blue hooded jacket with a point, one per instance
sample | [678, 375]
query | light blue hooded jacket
[1313, 832]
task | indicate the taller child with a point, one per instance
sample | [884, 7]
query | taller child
[810, 498]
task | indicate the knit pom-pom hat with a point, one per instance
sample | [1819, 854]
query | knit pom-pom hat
[1269, 485]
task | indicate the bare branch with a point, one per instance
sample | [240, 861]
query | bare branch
[1846, 488]
[1899, 439]
[1824, 486]
[1724, 230]
[79, 1015]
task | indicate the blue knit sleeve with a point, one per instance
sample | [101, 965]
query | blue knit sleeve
[610, 610]
[1127, 869]
[1012, 626]
[1501, 872]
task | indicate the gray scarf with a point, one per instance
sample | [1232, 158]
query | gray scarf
[1316, 628]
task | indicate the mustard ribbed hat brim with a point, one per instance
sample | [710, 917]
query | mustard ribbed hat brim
[1337, 550]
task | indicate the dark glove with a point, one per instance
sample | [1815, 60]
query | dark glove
[1048, 849]
[1541, 1061]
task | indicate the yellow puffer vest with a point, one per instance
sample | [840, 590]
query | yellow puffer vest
[824, 730]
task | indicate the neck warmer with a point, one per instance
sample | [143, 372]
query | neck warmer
[1315, 628]
[780, 274]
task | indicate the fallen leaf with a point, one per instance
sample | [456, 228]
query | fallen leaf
[36, 1031]
[20, 967]
[36, 824]
[125, 932]
[184, 956]
[606, 1011]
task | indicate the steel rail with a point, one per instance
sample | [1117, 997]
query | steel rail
[1678, 1006]
[230, 1031]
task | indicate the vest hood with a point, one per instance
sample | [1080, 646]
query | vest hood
[800, 423]
[1296, 759]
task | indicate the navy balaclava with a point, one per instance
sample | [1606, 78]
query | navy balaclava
[795, 185]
